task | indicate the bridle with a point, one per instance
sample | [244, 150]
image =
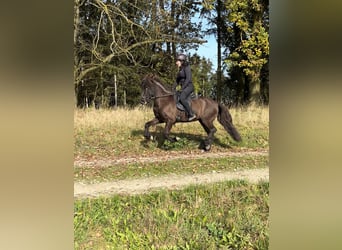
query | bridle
[149, 98]
[146, 99]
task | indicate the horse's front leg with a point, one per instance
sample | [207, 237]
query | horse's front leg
[167, 130]
[153, 122]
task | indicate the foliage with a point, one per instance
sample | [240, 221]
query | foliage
[124, 40]
[248, 43]
[201, 76]
[228, 215]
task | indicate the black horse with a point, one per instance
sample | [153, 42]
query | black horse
[165, 111]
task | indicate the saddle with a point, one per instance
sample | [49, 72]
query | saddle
[179, 105]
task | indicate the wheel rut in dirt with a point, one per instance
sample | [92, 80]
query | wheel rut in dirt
[161, 158]
[166, 182]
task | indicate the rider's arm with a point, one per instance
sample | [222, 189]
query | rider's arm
[188, 76]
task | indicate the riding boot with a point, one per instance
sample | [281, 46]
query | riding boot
[191, 115]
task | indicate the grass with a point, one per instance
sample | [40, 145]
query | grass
[119, 133]
[227, 215]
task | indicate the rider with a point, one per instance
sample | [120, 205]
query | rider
[185, 80]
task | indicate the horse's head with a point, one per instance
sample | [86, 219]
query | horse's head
[147, 90]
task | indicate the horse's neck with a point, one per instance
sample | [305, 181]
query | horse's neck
[160, 89]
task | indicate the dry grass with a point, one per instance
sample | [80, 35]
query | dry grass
[119, 132]
[121, 117]
[251, 116]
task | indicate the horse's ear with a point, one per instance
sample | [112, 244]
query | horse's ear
[143, 80]
[156, 78]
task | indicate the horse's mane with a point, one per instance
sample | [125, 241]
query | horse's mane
[153, 77]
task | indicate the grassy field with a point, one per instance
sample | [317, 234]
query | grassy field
[227, 215]
[119, 133]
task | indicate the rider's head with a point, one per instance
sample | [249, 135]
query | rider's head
[181, 60]
[181, 57]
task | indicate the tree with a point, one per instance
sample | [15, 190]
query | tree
[201, 75]
[126, 38]
[129, 38]
[249, 48]
[215, 11]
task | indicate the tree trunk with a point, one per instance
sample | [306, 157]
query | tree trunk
[219, 59]
[76, 59]
[115, 92]
[240, 87]
[254, 89]
[172, 30]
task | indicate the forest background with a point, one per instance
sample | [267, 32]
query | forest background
[117, 42]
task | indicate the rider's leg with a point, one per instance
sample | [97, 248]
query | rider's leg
[184, 100]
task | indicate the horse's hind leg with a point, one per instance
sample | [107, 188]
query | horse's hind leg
[148, 125]
[209, 140]
[211, 130]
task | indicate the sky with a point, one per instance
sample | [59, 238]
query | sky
[208, 50]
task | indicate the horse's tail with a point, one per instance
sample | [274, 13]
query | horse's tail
[226, 121]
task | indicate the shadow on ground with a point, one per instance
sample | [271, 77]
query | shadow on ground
[184, 139]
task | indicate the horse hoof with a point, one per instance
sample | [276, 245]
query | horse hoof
[207, 147]
[177, 138]
[173, 139]
[151, 138]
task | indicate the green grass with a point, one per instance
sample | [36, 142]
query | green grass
[102, 142]
[227, 215]
[136, 170]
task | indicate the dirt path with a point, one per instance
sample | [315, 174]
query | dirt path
[169, 182]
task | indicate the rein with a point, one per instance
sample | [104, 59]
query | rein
[160, 96]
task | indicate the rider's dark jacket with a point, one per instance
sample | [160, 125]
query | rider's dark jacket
[184, 77]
